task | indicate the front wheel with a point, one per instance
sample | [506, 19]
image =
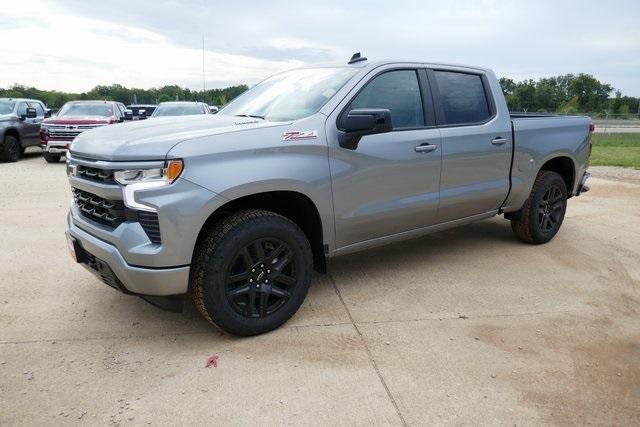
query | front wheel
[543, 212]
[11, 149]
[251, 272]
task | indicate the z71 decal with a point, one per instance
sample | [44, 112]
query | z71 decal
[297, 135]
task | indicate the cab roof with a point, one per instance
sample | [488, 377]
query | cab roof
[21, 99]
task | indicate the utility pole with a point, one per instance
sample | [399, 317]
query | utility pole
[203, 84]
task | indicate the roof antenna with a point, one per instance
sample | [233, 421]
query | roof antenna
[356, 58]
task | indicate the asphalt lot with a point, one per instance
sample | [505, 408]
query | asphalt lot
[466, 326]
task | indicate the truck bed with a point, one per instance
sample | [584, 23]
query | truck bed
[540, 137]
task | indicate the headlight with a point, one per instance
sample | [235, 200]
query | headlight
[144, 179]
[166, 175]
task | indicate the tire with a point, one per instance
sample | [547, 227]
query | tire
[241, 291]
[10, 149]
[51, 158]
[540, 218]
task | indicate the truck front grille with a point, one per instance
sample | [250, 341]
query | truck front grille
[103, 211]
[103, 176]
[68, 131]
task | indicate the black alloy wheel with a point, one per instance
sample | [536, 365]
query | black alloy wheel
[261, 278]
[550, 209]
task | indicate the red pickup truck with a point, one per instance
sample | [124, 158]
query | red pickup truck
[56, 133]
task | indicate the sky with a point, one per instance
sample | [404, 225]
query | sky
[74, 45]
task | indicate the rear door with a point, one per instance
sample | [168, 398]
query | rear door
[387, 185]
[476, 144]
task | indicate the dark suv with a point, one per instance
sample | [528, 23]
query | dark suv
[20, 121]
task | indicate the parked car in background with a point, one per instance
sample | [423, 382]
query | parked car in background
[56, 133]
[214, 109]
[236, 209]
[20, 120]
[139, 111]
[180, 108]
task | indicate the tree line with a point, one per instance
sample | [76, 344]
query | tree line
[564, 94]
[568, 94]
[115, 92]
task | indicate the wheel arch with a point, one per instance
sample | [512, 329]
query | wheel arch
[293, 205]
[12, 132]
[563, 166]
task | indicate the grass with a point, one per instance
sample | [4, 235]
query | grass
[622, 149]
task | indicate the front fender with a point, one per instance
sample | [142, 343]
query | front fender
[256, 167]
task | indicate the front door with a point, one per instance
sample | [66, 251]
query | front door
[389, 184]
[30, 127]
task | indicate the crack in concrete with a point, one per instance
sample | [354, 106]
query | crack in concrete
[369, 353]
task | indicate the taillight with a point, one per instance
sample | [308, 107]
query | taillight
[592, 129]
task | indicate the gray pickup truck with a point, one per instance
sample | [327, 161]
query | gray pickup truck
[20, 121]
[237, 209]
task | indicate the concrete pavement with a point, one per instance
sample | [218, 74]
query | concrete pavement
[467, 326]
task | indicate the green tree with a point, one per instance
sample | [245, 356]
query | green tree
[592, 95]
[507, 85]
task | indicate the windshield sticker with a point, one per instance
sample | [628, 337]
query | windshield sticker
[297, 135]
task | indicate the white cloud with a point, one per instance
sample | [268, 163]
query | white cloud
[75, 44]
[59, 50]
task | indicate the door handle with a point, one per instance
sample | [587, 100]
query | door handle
[425, 148]
[499, 140]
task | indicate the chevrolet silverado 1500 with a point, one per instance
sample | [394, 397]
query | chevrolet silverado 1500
[236, 209]
[19, 126]
[56, 133]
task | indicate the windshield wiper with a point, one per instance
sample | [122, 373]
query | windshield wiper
[255, 116]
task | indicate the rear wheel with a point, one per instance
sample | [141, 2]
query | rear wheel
[10, 149]
[251, 272]
[540, 218]
[51, 158]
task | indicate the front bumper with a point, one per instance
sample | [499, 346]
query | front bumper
[55, 147]
[105, 261]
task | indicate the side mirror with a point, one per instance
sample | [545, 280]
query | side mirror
[128, 115]
[360, 122]
[30, 114]
[47, 112]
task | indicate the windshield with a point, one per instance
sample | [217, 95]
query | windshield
[6, 107]
[291, 95]
[177, 110]
[85, 110]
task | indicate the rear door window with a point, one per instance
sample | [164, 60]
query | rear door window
[397, 91]
[462, 98]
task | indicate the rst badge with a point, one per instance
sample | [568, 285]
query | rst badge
[298, 135]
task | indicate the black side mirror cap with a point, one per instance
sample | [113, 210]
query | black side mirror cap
[360, 122]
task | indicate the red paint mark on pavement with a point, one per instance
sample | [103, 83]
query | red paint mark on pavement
[212, 361]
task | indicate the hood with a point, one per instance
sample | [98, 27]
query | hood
[152, 139]
[77, 120]
[4, 117]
